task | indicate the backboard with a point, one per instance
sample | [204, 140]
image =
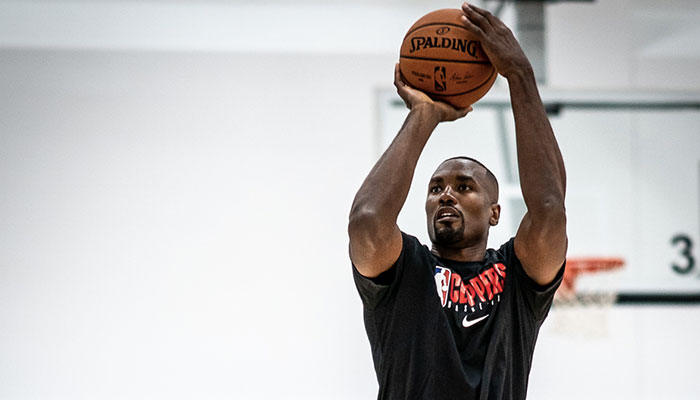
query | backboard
[633, 169]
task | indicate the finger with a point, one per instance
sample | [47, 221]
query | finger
[493, 21]
[477, 16]
[398, 82]
[464, 111]
[400, 86]
[484, 13]
[452, 113]
[471, 27]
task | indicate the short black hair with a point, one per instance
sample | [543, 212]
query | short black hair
[490, 174]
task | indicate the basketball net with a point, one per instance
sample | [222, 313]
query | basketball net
[585, 314]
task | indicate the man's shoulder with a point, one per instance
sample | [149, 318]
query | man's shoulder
[413, 244]
[505, 251]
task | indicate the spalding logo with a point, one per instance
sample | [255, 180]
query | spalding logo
[462, 45]
[442, 30]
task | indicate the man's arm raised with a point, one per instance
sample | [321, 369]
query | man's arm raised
[375, 239]
[541, 241]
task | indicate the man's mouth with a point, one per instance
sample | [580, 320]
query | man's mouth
[447, 214]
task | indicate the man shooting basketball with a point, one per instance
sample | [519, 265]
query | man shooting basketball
[460, 321]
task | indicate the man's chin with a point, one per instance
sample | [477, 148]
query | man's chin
[447, 236]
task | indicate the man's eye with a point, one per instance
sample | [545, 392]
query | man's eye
[464, 187]
[434, 189]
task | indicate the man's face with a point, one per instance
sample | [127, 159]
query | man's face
[461, 204]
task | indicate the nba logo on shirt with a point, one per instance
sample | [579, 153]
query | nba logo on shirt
[442, 282]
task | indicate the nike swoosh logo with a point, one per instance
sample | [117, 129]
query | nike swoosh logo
[467, 324]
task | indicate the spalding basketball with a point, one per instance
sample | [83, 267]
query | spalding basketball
[440, 57]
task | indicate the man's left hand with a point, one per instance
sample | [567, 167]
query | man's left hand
[496, 39]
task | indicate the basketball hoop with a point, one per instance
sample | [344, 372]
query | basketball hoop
[585, 314]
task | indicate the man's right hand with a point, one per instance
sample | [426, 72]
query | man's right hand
[375, 238]
[415, 98]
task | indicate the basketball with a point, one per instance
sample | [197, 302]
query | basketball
[440, 57]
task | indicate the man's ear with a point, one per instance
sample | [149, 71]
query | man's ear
[495, 214]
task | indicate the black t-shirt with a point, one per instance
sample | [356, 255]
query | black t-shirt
[442, 329]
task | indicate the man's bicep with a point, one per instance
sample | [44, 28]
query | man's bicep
[373, 251]
[541, 244]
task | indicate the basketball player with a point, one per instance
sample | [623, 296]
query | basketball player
[458, 320]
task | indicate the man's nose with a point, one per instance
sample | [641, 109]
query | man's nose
[446, 198]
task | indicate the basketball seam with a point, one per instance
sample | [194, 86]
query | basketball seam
[493, 71]
[433, 24]
[445, 60]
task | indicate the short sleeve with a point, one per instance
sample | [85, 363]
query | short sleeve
[538, 297]
[374, 291]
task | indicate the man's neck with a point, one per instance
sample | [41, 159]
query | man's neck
[475, 252]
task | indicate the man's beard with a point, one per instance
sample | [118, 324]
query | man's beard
[448, 235]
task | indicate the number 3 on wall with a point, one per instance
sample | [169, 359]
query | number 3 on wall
[686, 250]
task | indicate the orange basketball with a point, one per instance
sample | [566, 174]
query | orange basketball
[440, 57]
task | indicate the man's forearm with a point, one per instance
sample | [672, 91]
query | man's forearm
[375, 239]
[385, 189]
[540, 164]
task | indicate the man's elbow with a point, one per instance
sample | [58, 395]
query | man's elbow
[360, 215]
[550, 208]
[364, 221]
[370, 227]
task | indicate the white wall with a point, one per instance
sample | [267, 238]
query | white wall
[174, 224]
[174, 213]
[623, 44]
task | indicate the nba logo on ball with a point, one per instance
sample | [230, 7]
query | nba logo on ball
[439, 45]
[439, 78]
